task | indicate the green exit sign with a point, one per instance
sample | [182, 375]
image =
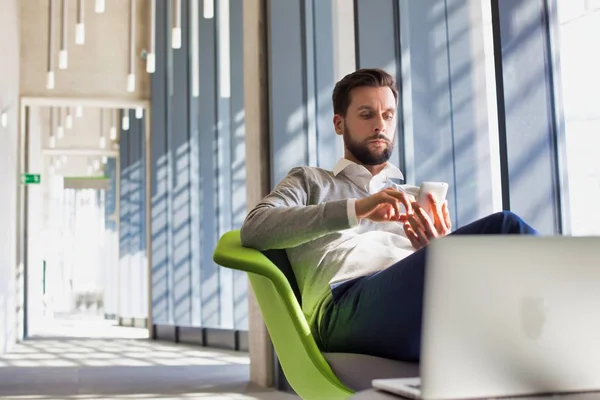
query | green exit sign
[31, 179]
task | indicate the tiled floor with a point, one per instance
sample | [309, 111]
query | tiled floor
[94, 360]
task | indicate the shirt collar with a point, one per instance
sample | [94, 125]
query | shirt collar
[390, 170]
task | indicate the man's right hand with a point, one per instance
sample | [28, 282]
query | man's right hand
[383, 206]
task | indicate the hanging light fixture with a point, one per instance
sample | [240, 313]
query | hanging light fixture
[104, 160]
[52, 168]
[52, 139]
[113, 125]
[224, 43]
[60, 129]
[176, 31]
[139, 112]
[79, 111]
[102, 137]
[50, 63]
[131, 75]
[125, 120]
[151, 56]
[96, 165]
[194, 44]
[63, 57]
[80, 25]
[100, 6]
[3, 119]
[209, 9]
[69, 119]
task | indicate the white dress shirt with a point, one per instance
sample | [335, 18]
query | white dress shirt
[363, 178]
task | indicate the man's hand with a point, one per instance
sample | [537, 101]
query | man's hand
[421, 229]
[383, 206]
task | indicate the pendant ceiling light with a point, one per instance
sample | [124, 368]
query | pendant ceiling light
[69, 119]
[131, 75]
[50, 50]
[209, 9]
[100, 6]
[125, 120]
[113, 124]
[52, 140]
[176, 31]
[102, 137]
[4, 119]
[60, 129]
[63, 57]
[151, 56]
[80, 25]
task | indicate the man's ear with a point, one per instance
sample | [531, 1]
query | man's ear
[338, 124]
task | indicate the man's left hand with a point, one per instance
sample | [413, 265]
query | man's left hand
[420, 228]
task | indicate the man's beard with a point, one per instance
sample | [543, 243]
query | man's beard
[363, 153]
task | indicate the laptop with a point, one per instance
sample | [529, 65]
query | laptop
[507, 316]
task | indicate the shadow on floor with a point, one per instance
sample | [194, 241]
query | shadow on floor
[55, 367]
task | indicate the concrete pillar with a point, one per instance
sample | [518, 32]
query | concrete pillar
[257, 167]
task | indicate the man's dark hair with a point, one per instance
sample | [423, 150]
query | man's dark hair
[372, 77]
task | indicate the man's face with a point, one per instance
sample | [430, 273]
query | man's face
[370, 125]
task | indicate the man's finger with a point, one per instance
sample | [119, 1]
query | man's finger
[428, 227]
[415, 223]
[438, 217]
[412, 236]
[402, 197]
[393, 201]
[381, 213]
[446, 215]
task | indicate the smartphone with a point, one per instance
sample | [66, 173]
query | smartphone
[439, 191]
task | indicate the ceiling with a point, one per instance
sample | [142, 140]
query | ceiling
[103, 75]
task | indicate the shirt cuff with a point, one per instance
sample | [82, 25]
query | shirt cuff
[351, 210]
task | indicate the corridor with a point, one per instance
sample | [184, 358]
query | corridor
[91, 358]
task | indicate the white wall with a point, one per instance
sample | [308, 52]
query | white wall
[36, 243]
[9, 95]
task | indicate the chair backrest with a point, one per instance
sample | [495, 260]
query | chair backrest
[280, 259]
[304, 366]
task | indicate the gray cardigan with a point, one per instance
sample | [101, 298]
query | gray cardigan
[306, 214]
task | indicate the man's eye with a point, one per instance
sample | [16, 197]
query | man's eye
[389, 117]
[366, 116]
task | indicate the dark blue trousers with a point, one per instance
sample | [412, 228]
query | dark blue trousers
[380, 314]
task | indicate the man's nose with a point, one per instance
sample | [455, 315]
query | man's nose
[379, 125]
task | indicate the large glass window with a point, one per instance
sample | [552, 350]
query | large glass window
[450, 122]
[578, 32]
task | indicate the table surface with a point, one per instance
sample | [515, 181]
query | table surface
[373, 394]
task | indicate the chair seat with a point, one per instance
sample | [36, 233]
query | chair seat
[358, 370]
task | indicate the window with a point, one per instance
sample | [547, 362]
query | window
[578, 30]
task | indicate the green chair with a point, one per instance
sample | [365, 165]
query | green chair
[311, 373]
